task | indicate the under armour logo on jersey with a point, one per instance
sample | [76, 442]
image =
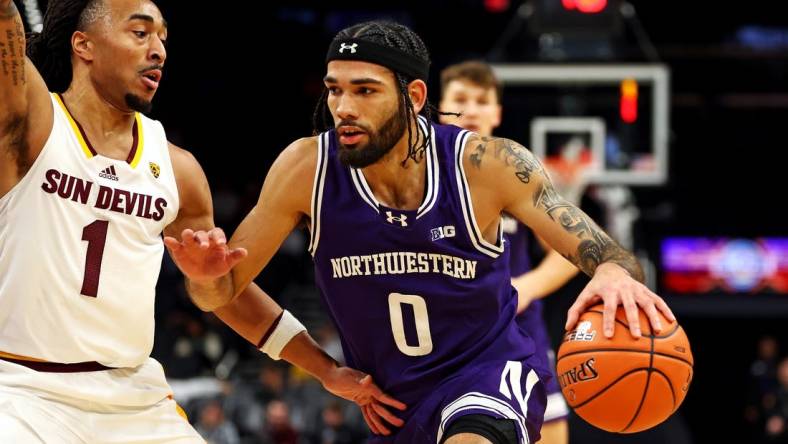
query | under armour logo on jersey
[402, 218]
[442, 232]
[109, 173]
[351, 47]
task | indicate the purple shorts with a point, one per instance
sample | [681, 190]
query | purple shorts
[532, 322]
[501, 389]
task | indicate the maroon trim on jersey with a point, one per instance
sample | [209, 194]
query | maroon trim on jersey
[55, 367]
[270, 330]
[81, 130]
[135, 141]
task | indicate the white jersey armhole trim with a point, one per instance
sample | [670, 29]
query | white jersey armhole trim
[155, 125]
[317, 191]
[433, 170]
[474, 232]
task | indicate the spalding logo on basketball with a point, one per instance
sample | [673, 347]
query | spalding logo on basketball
[623, 384]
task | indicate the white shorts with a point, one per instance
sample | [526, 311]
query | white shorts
[131, 405]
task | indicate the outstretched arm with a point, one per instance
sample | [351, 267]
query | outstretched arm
[509, 178]
[219, 276]
[25, 108]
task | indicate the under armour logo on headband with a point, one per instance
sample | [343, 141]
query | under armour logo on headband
[395, 59]
[345, 46]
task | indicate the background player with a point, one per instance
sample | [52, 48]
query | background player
[471, 89]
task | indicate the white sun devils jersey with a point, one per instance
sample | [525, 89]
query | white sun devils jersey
[81, 247]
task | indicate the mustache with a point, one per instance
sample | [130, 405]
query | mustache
[151, 67]
[352, 123]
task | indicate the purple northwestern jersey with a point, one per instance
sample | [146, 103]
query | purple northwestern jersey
[531, 320]
[421, 300]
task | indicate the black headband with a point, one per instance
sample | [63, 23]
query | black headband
[391, 58]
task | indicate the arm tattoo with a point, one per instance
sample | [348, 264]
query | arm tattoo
[514, 154]
[12, 51]
[476, 157]
[12, 67]
[481, 148]
[511, 153]
[596, 246]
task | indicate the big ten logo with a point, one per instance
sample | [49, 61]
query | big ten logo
[442, 232]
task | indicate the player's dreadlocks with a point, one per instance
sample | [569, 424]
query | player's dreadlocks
[50, 49]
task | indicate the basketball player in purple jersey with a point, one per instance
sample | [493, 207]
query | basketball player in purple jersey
[404, 217]
[87, 185]
[471, 89]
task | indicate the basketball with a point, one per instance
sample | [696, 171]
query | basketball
[623, 384]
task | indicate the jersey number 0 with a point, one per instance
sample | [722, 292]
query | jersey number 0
[424, 345]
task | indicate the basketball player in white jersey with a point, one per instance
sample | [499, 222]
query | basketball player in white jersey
[87, 186]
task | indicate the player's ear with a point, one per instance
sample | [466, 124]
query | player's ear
[417, 90]
[82, 45]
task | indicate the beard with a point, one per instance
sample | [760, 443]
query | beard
[138, 104]
[380, 142]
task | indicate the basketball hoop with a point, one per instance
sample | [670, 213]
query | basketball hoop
[570, 172]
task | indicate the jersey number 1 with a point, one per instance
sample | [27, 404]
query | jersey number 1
[96, 236]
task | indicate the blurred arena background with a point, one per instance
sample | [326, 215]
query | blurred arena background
[679, 106]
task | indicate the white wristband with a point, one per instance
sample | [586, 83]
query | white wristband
[287, 328]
